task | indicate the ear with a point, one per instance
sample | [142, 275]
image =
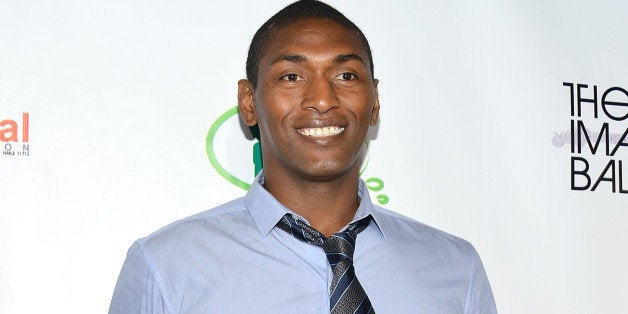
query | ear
[375, 113]
[246, 102]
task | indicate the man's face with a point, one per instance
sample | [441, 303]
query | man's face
[314, 101]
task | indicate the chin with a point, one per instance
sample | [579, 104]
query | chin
[327, 171]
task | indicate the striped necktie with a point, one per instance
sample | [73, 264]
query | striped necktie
[347, 295]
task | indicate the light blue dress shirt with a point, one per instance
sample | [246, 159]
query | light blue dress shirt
[232, 259]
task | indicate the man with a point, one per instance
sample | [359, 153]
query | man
[305, 238]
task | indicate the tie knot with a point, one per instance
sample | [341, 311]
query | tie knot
[338, 246]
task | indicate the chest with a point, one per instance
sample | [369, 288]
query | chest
[296, 280]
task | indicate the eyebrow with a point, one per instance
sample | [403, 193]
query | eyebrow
[342, 58]
[348, 57]
[289, 58]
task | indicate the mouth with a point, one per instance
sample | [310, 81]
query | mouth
[321, 132]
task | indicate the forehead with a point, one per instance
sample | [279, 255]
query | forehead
[313, 35]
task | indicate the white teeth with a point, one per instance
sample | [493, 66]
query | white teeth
[320, 132]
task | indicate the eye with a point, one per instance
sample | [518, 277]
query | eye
[290, 77]
[347, 76]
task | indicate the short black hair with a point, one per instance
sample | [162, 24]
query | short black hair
[303, 9]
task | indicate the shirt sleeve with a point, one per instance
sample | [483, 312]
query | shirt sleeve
[137, 290]
[479, 296]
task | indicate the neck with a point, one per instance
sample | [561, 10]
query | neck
[327, 205]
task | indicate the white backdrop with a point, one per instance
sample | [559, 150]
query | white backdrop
[474, 137]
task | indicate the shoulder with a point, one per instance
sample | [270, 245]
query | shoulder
[412, 234]
[206, 226]
[180, 258]
[423, 258]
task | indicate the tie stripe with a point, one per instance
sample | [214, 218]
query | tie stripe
[365, 306]
[347, 295]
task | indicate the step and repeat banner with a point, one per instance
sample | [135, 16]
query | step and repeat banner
[502, 122]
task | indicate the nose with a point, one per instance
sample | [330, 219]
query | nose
[320, 95]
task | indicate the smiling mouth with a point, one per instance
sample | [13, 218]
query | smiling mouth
[321, 132]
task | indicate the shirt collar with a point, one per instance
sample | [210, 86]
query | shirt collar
[266, 210]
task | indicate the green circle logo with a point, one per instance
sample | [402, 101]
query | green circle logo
[211, 152]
